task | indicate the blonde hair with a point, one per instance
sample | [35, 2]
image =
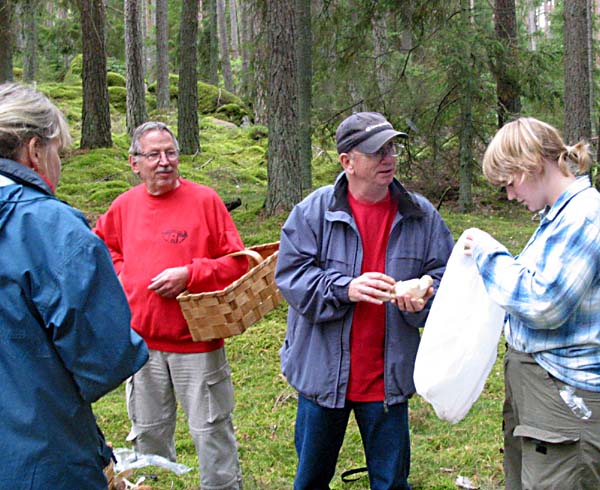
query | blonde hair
[521, 147]
[26, 113]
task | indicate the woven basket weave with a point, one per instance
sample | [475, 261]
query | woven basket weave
[229, 312]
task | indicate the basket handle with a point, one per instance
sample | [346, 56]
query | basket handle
[252, 254]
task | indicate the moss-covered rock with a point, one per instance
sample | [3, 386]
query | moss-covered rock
[258, 132]
[115, 79]
[232, 112]
[73, 74]
[210, 100]
[173, 86]
[118, 98]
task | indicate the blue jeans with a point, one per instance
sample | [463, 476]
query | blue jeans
[320, 433]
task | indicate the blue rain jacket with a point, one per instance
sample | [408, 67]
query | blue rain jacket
[320, 253]
[65, 339]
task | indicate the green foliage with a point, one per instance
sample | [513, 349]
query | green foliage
[115, 79]
[17, 73]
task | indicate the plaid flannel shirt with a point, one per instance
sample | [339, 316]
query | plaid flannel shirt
[551, 290]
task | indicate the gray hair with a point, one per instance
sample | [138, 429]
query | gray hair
[26, 113]
[145, 128]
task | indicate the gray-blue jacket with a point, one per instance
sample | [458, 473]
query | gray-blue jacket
[320, 253]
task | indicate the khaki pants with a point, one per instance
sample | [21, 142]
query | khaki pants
[547, 447]
[202, 384]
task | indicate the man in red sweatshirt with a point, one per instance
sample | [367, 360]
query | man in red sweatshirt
[166, 235]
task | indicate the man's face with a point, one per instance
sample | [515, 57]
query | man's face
[157, 162]
[372, 172]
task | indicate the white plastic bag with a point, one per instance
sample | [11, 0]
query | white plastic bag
[459, 344]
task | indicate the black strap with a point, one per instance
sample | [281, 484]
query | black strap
[351, 472]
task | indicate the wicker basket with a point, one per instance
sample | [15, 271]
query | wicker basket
[229, 312]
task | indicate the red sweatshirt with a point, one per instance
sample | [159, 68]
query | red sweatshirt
[147, 234]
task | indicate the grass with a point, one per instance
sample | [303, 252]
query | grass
[233, 161]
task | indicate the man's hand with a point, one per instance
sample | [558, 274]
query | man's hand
[170, 282]
[413, 305]
[372, 287]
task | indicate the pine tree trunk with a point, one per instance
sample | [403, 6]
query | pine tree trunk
[30, 9]
[256, 56]
[304, 57]
[187, 101]
[224, 46]
[284, 185]
[6, 40]
[507, 83]
[162, 55]
[95, 123]
[134, 67]
[233, 30]
[213, 65]
[577, 89]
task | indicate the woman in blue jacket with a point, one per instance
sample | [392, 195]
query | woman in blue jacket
[65, 338]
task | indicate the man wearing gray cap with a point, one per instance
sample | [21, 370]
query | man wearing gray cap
[351, 343]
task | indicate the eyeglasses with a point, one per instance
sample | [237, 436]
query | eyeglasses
[154, 156]
[391, 149]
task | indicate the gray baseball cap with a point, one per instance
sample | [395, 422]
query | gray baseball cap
[365, 131]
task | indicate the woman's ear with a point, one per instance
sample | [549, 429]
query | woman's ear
[31, 154]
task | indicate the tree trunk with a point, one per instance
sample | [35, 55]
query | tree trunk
[134, 67]
[507, 80]
[95, 121]
[304, 57]
[213, 64]
[187, 101]
[233, 30]
[162, 55]
[224, 46]
[284, 187]
[30, 9]
[6, 40]
[465, 198]
[383, 77]
[466, 77]
[577, 87]
[255, 57]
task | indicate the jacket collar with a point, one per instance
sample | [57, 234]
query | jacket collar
[407, 206]
[24, 176]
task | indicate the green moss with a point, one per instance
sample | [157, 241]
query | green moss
[258, 132]
[232, 112]
[118, 98]
[210, 98]
[17, 73]
[73, 74]
[115, 79]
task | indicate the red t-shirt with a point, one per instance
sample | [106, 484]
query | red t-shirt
[367, 339]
